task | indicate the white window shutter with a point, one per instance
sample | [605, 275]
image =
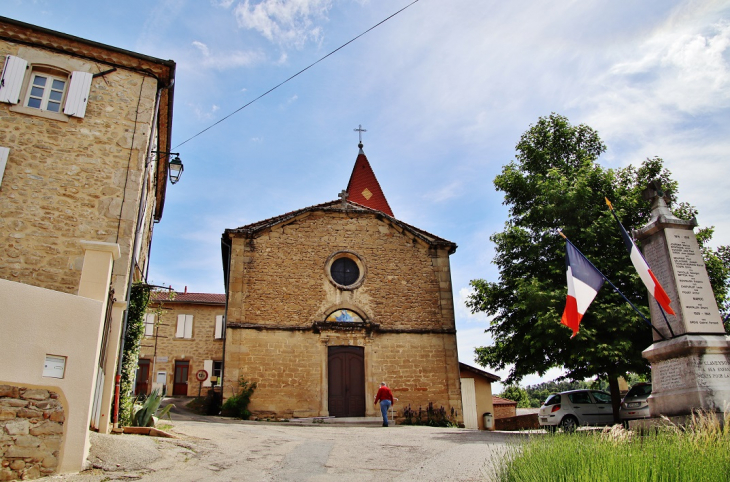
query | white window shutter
[4, 151]
[12, 79]
[189, 326]
[218, 327]
[180, 333]
[78, 94]
[208, 367]
[149, 324]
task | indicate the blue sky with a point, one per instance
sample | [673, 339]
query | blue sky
[444, 89]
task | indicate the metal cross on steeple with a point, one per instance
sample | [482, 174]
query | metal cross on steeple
[360, 130]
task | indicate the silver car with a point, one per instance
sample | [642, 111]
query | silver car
[569, 410]
[634, 405]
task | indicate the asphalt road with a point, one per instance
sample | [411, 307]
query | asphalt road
[220, 449]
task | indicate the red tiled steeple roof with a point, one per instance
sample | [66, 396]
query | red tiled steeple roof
[364, 188]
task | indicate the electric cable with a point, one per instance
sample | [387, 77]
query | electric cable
[295, 75]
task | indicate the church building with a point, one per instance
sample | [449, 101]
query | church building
[325, 302]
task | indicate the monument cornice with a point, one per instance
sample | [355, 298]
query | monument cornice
[661, 223]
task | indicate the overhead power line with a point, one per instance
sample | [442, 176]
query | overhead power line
[295, 75]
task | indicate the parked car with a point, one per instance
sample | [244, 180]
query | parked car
[569, 410]
[634, 405]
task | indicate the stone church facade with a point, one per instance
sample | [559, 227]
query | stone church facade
[325, 302]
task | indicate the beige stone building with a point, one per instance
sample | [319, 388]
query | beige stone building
[327, 301]
[183, 335]
[81, 184]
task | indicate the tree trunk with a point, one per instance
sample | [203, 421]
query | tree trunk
[615, 396]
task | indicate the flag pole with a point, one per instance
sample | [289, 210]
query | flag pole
[614, 287]
[610, 208]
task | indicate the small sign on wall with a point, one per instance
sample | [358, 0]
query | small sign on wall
[54, 366]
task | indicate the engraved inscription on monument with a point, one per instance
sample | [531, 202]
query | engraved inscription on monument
[696, 299]
[701, 371]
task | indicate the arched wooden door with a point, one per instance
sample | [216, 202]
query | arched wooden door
[346, 381]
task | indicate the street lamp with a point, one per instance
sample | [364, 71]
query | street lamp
[174, 167]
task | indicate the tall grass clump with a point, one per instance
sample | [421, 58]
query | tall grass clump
[699, 451]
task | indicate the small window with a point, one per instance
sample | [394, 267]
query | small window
[345, 271]
[580, 397]
[149, 324]
[184, 326]
[46, 92]
[552, 400]
[343, 316]
[219, 327]
[217, 372]
[601, 397]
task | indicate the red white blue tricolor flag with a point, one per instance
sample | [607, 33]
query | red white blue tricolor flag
[642, 267]
[584, 281]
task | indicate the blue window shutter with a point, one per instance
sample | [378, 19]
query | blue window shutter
[12, 79]
[78, 94]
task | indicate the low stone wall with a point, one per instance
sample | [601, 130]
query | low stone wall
[31, 432]
[520, 422]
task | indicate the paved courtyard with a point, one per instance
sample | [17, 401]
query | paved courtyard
[219, 449]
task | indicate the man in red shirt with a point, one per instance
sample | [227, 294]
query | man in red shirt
[386, 400]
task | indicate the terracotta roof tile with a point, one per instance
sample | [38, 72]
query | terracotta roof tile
[502, 401]
[364, 187]
[200, 298]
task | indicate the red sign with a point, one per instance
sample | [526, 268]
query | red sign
[201, 376]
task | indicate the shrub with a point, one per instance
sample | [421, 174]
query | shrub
[237, 405]
[433, 417]
[143, 414]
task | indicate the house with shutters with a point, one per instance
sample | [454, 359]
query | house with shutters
[183, 335]
[327, 301]
[82, 181]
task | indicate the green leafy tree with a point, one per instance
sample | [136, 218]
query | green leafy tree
[516, 394]
[555, 183]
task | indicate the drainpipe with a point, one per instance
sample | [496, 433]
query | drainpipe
[133, 261]
[228, 245]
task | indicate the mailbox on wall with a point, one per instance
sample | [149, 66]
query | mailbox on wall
[54, 367]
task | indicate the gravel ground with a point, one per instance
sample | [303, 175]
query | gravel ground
[221, 449]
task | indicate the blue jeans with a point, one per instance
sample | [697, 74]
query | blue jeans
[384, 407]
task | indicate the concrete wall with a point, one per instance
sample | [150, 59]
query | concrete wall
[483, 392]
[37, 322]
[279, 288]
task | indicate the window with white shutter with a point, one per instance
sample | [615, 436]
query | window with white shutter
[218, 327]
[78, 94]
[184, 326]
[4, 152]
[149, 324]
[12, 79]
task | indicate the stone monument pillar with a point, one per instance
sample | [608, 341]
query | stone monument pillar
[690, 370]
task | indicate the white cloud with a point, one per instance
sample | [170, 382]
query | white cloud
[222, 3]
[227, 60]
[286, 22]
[202, 113]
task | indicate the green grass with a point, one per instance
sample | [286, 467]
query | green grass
[699, 452]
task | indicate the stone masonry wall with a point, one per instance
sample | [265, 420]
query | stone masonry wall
[31, 432]
[79, 179]
[202, 346]
[279, 278]
[504, 411]
[290, 368]
[278, 281]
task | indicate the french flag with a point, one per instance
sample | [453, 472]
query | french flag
[642, 267]
[584, 281]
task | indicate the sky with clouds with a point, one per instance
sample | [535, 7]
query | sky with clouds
[444, 89]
